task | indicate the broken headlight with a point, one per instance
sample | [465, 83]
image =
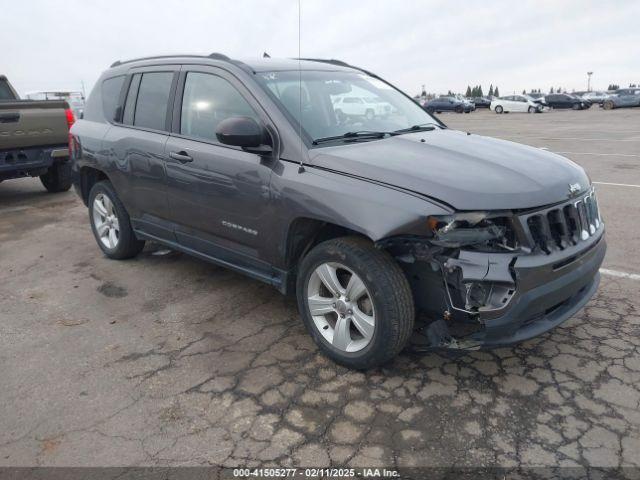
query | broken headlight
[478, 229]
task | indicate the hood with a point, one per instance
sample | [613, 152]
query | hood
[468, 172]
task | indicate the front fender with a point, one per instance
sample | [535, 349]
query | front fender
[375, 210]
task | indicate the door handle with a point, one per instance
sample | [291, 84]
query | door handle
[9, 117]
[182, 156]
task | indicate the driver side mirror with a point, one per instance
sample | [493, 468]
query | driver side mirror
[244, 132]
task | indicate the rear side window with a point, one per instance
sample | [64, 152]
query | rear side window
[5, 91]
[153, 99]
[207, 100]
[111, 95]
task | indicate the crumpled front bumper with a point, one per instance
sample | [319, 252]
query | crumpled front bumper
[549, 291]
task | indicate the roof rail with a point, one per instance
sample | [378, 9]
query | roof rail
[213, 56]
[339, 63]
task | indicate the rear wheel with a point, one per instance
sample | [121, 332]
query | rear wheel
[110, 223]
[355, 302]
[459, 109]
[499, 109]
[58, 177]
[607, 105]
[430, 110]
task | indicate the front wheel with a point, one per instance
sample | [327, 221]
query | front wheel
[355, 302]
[459, 109]
[499, 109]
[110, 223]
[58, 177]
[607, 105]
[531, 109]
[576, 106]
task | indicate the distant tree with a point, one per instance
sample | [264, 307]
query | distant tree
[613, 86]
[524, 92]
[491, 90]
[480, 94]
[496, 92]
[632, 85]
[551, 90]
[468, 94]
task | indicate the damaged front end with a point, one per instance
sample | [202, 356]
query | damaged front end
[483, 279]
[461, 275]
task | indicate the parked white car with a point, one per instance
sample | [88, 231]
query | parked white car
[369, 107]
[515, 103]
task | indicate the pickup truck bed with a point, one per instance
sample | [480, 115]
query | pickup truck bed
[33, 139]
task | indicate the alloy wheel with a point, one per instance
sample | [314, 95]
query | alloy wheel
[341, 307]
[105, 221]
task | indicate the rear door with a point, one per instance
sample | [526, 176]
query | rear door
[218, 194]
[137, 142]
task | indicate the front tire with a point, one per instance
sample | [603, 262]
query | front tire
[459, 109]
[58, 177]
[607, 105]
[355, 302]
[110, 223]
[499, 109]
[531, 109]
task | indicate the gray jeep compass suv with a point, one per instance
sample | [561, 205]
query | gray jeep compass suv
[383, 226]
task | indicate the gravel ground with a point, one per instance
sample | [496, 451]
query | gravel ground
[165, 360]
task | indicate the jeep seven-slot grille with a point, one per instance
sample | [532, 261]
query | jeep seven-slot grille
[561, 226]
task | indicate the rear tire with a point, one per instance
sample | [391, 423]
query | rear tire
[58, 177]
[390, 308]
[107, 213]
[459, 109]
[499, 109]
[607, 105]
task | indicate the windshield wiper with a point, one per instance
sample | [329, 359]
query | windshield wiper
[352, 135]
[424, 127]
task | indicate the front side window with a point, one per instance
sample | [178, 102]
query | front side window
[207, 100]
[111, 96]
[308, 97]
[153, 100]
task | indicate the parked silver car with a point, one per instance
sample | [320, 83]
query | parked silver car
[623, 97]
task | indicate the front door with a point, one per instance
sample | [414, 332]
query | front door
[218, 194]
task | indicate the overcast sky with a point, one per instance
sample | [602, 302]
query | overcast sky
[444, 45]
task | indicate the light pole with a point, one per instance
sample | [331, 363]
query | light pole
[589, 81]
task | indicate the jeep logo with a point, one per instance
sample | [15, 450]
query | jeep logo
[574, 189]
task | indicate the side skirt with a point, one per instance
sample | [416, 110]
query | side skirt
[277, 279]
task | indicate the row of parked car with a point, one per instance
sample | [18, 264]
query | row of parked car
[536, 102]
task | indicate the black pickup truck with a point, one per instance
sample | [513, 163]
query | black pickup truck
[34, 139]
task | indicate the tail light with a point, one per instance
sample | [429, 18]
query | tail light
[71, 119]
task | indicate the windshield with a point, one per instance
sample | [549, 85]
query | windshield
[337, 103]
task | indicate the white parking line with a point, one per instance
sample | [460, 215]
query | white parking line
[616, 273]
[590, 139]
[601, 154]
[617, 184]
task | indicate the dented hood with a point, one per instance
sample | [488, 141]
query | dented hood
[469, 172]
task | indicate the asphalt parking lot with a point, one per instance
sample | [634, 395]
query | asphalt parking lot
[166, 360]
